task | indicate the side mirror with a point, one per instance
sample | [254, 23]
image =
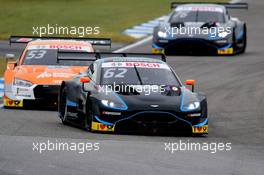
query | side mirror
[11, 64]
[9, 56]
[190, 83]
[85, 79]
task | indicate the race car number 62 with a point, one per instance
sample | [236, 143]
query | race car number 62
[109, 73]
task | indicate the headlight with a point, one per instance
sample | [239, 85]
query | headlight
[23, 83]
[114, 105]
[162, 34]
[192, 106]
[109, 99]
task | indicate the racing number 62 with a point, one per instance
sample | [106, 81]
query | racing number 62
[116, 73]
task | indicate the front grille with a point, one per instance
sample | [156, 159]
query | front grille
[46, 91]
[192, 46]
[153, 124]
[154, 117]
[142, 117]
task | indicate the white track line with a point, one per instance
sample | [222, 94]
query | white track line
[138, 43]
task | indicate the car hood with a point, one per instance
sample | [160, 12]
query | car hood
[47, 74]
[159, 101]
[153, 102]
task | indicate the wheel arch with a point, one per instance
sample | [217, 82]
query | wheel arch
[63, 85]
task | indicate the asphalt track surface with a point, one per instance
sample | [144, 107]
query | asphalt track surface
[235, 90]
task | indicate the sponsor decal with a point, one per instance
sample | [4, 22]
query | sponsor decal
[157, 50]
[144, 65]
[13, 103]
[200, 129]
[25, 92]
[201, 8]
[22, 90]
[55, 75]
[96, 126]
[111, 113]
[226, 51]
[194, 115]
[137, 64]
[66, 47]
[63, 47]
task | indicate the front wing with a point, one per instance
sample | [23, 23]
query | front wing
[161, 122]
[192, 46]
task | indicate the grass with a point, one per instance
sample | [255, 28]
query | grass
[18, 17]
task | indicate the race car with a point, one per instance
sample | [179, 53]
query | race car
[201, 29]
[122, 93]
[34, 79]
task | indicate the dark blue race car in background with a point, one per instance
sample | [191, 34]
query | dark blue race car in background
[200, 28]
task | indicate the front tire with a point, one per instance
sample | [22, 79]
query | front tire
[235, 44]
[237, 47]
[63, 107]
[243, 49]
[88, 117]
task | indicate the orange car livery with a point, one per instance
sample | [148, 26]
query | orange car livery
[36, 76]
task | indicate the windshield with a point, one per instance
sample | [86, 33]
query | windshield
[137, 73]
[197, 16]
[49, 57]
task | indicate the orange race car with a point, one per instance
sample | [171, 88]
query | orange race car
[35, 78]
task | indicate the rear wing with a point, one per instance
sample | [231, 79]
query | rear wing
[239, 5]
[92, 56]
[93, 41]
